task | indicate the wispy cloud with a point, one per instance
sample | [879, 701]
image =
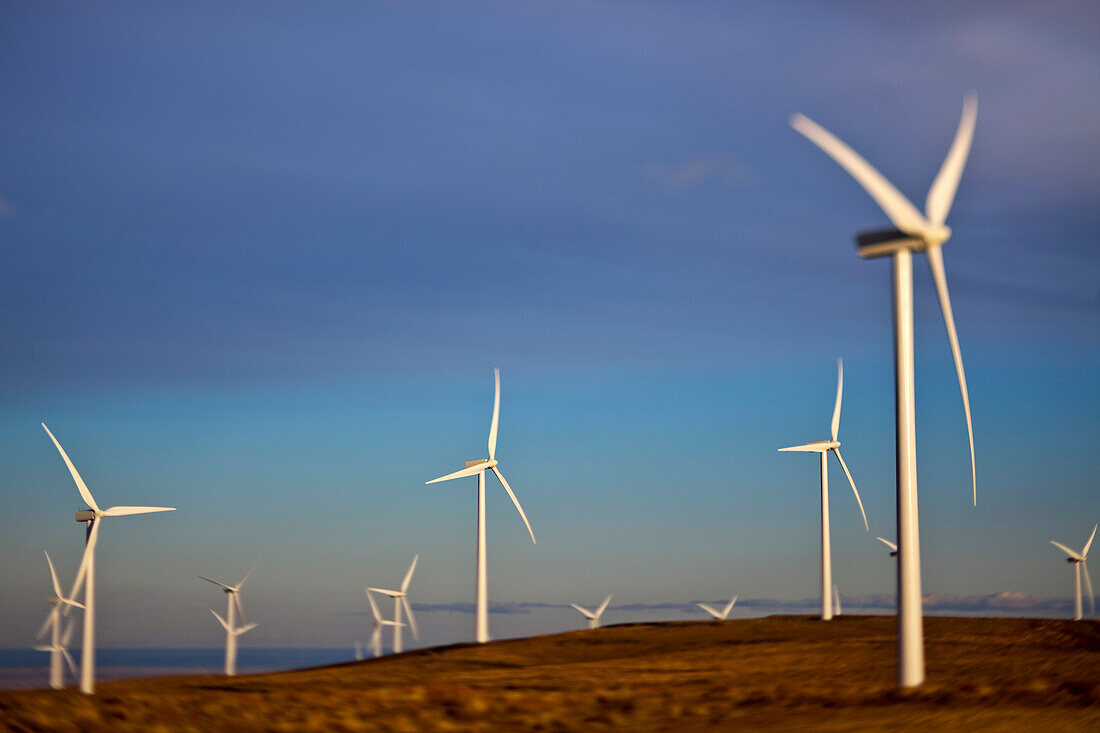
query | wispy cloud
[694, 172]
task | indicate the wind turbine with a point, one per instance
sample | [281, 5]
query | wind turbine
[836, 600]
[914, 232]
[822, 448]
[719, 615]
[92, 518]
[58, 649]
[232, 631]
[400, 599]
[891, 545]
[593, 616]
[478, 467]
[379, 623]
[58, 642]
[359, 651]
[1079, 566]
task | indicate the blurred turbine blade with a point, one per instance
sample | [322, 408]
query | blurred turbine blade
[496, 416]
[708, 609]
[854, 489]
[52, 616]
[582, 609]
[238, 586]
[237, 602]
[70, 662]
[939, 276]
[53, 576]
[409, 575]
[603, 606]
[729, 607]
[942, 192]
[223, 585]
[887, 542]
[412, 618]
[80, 486]
[515, 501]
[221, 620]
[89, 553]
[1066, 550]
[1085, 552]
[1088, 586]
[374, 607]
[839, 391]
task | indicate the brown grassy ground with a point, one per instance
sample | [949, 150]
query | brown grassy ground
[778, 673]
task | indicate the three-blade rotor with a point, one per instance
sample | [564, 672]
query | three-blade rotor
[928, 229]
[593, 615]
[1081, 559]
[399, 596]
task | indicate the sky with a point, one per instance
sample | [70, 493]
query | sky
[258, 262]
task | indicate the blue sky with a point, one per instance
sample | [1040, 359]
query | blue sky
[259, 261]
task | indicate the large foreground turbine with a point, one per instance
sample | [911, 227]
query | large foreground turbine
[59, 640]
[400, 600]
[1077, 559]
[593, 616]
[93, 517]
[822, 448]
[914, 232]
[229, 623]
[478, 468]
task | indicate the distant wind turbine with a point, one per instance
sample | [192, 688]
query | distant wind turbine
[1079, 566]
[914, 232]
[232, 631]
[822, 448]
[379, 624]
[359, 651]
[593, 616]
[478, 467]
[719, 615]
[400, 599]
[86, 574]
[836, 600]
[58, 641]
[891, 545]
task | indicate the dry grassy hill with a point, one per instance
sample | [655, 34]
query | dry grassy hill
[778, 673]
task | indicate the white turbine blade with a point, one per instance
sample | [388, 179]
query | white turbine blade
[237, 602]
[854, 489]
[818, 446]
[84, 493]
[1066, 550]
[53, 576]
[71, 602]
[50, 617]
[409, 575]
[939, 276]
[384, 591]
[1084, 552]
[238, 585]
[387, 622]
[67, 634]
[900, 210]
[496, 415]
[69, 660]
[374, 607]
[603, 606]
[223, 585]
[42, 648]
[839, 392]
[729, 607]
[1088, 586]
[89, 553]
[246, 628]
[708, 609]
[515, 501]
[942, 192]
[888, 543]
[412, 618]
[582, 609]
[123, 511]
[221, 620]
[468, 471]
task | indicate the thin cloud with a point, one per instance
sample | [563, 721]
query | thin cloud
[694, 172]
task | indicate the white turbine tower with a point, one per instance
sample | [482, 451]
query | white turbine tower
[914, 233]
[58, 640]
[836, 600]
[822, 448]
[1078, 561]
[891, 545]
[400, 599]
[93, 516]
[593, 616]
[719, 615]
[379, 623]
[478, 468]
[359, 651]
[233, 609]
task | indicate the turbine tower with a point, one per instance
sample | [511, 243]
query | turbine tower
[836, 600]
[822, 448]
[400, 599]
[92, 517]
[478, 468]
[914, 232]
[58, 641]
[1079, 566]
[379, 624]
[719, 615]
[232, 631]
[593, 616]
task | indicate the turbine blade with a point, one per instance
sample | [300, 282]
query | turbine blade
[582, 609]
[122, 511]
[51, 616]
[515, 501]
[383, 591]
[89, 553]
[71, 602]
[246, 628]
[42, 648]
[1084, 552]
[939, 276]
[888, 543]
[942, 192]
[496, 415]
[221, 620]
[603, 606]
[412, 618]
[854, 489]
[839, 392]
[815, 447]
[53, 576]
[708, 609]
[729, 607]
[1088, 586]
[67, 634]
[374, 607]
[1066, 550]
[70, 662]
[223, 585]
[409, 575]
[80, 486]
[900, 210]
[468, 471]
[237, 602]
[238, 586]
